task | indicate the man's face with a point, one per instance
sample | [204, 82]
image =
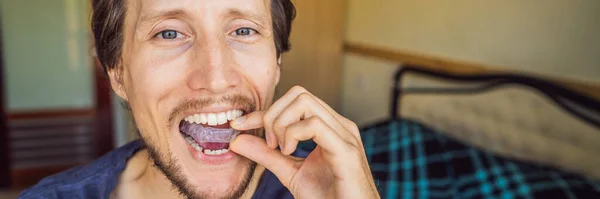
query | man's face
[196, 59]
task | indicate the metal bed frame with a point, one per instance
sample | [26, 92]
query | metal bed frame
[579, 105]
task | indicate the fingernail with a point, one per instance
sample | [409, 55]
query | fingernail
[239, 121]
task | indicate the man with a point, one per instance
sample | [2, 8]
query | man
[196, 73]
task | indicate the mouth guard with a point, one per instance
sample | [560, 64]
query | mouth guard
[208, 134]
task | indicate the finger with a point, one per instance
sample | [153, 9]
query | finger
[316, 129]
[348, 124]
[305, 106]
[296, 133]
[255, 149]
[254, 120]
[249, 121]
[337, 152]
[298, 90]
[276, 109]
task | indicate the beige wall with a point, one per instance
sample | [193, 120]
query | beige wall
[365, 93]
[552, 37]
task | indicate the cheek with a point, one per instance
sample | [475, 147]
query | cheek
[260, 71]
[156, 74]
[152, 80]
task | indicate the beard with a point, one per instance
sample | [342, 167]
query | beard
[172, 171]
[169, 166]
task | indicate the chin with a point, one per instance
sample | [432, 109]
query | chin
[197, 179]
[217, 174]
[204, 169]
[194, 154]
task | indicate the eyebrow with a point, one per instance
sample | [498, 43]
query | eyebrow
[153, 16]
[261, 20]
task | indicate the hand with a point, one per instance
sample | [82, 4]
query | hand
[338, 166]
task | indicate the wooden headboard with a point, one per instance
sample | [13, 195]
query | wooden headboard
[458, 67]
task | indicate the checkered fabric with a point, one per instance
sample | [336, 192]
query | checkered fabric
[410, 160]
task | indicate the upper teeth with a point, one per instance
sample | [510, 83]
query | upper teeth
[214, 118]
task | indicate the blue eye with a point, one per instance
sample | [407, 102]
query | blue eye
[244, 31]
[169, 34]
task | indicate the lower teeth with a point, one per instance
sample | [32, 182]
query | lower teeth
[198, 148]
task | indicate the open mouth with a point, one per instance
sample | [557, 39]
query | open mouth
[210, 133]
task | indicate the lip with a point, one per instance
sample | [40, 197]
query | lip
[207, 110]
[200, 156]
[215, 110]
[209, 159]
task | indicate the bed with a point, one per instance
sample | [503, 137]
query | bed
[484, 135]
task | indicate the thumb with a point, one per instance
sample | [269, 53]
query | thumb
[255, 149]
[249, 121]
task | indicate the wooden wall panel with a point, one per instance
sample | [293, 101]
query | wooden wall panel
[42, 144]
[315, 60]
[4, 154]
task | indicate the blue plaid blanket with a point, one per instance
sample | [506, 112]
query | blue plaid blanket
[410, 160]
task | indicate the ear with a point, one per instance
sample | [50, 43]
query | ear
[116, 81]
[278, 71]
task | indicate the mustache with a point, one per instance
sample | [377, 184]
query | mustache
[234, 100]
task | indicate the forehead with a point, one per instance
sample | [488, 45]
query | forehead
[147, 10]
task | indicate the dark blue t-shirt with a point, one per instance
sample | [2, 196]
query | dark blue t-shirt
[99, 179]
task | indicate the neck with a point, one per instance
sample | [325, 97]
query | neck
[141, 179]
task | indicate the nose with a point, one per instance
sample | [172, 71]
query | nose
[213, 68]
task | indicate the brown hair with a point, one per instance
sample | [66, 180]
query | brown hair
[108, 19]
